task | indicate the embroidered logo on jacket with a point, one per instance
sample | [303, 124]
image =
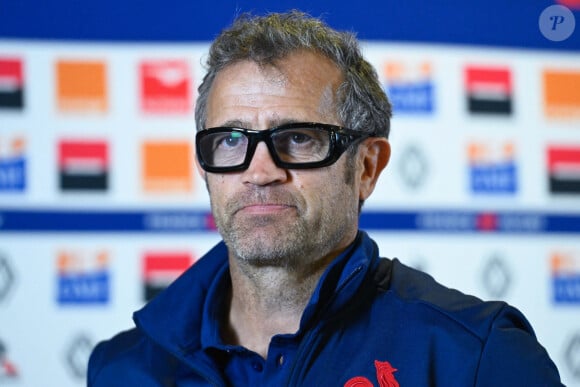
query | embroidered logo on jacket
[385, 377]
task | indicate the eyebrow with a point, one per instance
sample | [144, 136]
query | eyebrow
[235, 124]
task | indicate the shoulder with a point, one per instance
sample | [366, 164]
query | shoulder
[121, 346]
[467, 312]
[129, 358]
[509, 351]
[137, 354]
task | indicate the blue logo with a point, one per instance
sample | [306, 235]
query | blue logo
[13, 167]
[567, 289]
[565, 278]
[82, 279]
[411, 98]
[410, 89]
[492, 172]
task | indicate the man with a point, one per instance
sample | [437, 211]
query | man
[292, 138]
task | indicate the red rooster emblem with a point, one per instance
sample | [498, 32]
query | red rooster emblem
[385, 376]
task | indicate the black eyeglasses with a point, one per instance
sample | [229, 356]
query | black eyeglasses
[292, 146]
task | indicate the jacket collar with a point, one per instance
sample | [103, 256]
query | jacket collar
[342, 279]
[174, 319]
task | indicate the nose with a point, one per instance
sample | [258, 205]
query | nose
[262, 169]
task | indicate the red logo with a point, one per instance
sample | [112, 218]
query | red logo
[84, 165]
[165, 86]
[160, 269]
[489, 89]
[564, 169]
[11, 83]
[385, 377]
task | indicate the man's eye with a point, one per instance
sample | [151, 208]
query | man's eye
[299, 138]
[231, 140]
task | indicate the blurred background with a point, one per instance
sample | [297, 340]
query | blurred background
[101, 206]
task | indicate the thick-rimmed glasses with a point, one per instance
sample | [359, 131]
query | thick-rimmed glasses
[292, 146]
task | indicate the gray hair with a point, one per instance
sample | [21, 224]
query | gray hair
[362, 104]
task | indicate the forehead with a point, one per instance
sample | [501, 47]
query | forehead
[301, 86]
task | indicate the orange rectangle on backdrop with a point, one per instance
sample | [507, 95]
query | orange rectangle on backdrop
[167, 166]
[81, 86]
[562, 93]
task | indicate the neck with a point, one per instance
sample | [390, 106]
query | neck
[266, 301]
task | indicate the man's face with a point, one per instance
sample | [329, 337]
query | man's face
[268, 215]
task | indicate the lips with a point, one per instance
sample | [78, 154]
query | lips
[265, 208]
[260, 202]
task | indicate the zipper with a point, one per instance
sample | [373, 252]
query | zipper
[311, 338]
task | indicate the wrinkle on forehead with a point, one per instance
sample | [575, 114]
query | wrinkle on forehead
[251, 94]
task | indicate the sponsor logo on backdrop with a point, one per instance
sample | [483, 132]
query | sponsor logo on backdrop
[410, 87]
[11, 84]
[12, 164]
[413, 167]
[562, 94]
[165, 86]
[81, 86]
[485, 221]
[167, 166]
[160, 269]
[83, 278]
[565, 268]
[489, 90]
[8, 370]
[83, 165]
[7, 278]
[492, 168]
[77, 356]
[572, 356]
[496, 277]
[564, 169]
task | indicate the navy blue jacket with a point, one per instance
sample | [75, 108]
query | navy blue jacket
[371, 322]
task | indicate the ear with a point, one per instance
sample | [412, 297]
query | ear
[374, 157]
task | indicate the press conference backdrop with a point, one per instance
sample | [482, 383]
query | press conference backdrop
[101, 206]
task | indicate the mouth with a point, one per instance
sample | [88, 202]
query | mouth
[265, 209]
